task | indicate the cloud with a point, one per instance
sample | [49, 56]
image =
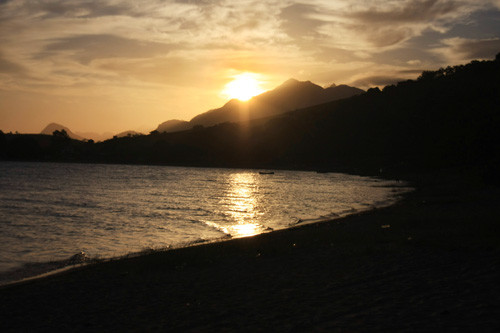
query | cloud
[386, 24]
[73, 9]
[414, 62]
[87, 9]
[494, 3]
[122, 48]
[381, 75]
[377, 80]
[298, 21]
[319, 26]
[86, 48]
[457, 49]
[408, 12]
[412, 71]
[384, 37]
[307, 28]
[9, 67]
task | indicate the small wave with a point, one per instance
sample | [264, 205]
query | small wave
[196, 241]
[30, 270]
[216, 227]
[328, 217]
[310, 221]
[188, 209]
[23, 200]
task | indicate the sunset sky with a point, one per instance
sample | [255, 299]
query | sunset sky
[111, 65]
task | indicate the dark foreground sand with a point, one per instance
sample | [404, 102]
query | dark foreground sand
[436, 268]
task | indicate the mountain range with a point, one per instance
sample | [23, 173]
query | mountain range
[128, 133]
[447, 118]
[289, 96]
[52, 127]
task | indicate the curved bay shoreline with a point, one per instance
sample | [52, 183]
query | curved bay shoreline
[430, 262]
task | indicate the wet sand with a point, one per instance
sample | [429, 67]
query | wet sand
[429, 263]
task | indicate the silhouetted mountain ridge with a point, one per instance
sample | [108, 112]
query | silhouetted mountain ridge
[174, 125]
[95, 135]
[128, 133]
[290, 95]
[50, 128]
[446, 118]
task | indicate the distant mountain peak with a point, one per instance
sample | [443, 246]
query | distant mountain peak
[294, 82]
[52, 127]
[128, 133]
[173, 125]
[290, 81]
[173, 121]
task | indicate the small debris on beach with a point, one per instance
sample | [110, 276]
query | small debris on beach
[78, 258]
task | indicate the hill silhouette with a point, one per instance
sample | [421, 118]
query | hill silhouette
[128, 133]
[174, 126]
[50, 128]
[291, 95]
[445, 118]
[95, 135]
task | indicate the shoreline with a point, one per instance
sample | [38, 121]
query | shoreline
[93, 261]
[435, 267]
[40, 269]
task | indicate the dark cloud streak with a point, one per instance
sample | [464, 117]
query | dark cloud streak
[9, 67]
[377, 80]
[478, 49]
[414, 11]
[390, 27]
[90, 47]
[411, 71]
[84, 10]
[296, 22]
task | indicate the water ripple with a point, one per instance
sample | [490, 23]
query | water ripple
[50, 211]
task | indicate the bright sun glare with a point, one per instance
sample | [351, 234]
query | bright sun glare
[243, 87]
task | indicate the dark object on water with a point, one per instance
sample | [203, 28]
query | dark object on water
[266, 172]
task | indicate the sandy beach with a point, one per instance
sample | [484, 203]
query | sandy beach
[429, 263]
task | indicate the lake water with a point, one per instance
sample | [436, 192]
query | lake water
[51, 211]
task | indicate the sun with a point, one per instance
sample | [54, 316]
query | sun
[243, 87]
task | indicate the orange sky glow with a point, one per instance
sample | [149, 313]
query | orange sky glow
[117, 65]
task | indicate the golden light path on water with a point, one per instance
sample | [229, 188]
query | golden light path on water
[241, 205]
[52, 211]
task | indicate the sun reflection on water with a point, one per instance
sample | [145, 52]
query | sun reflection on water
[248, 229]
[242, 205]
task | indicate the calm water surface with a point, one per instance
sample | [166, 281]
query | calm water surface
[50, 211]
